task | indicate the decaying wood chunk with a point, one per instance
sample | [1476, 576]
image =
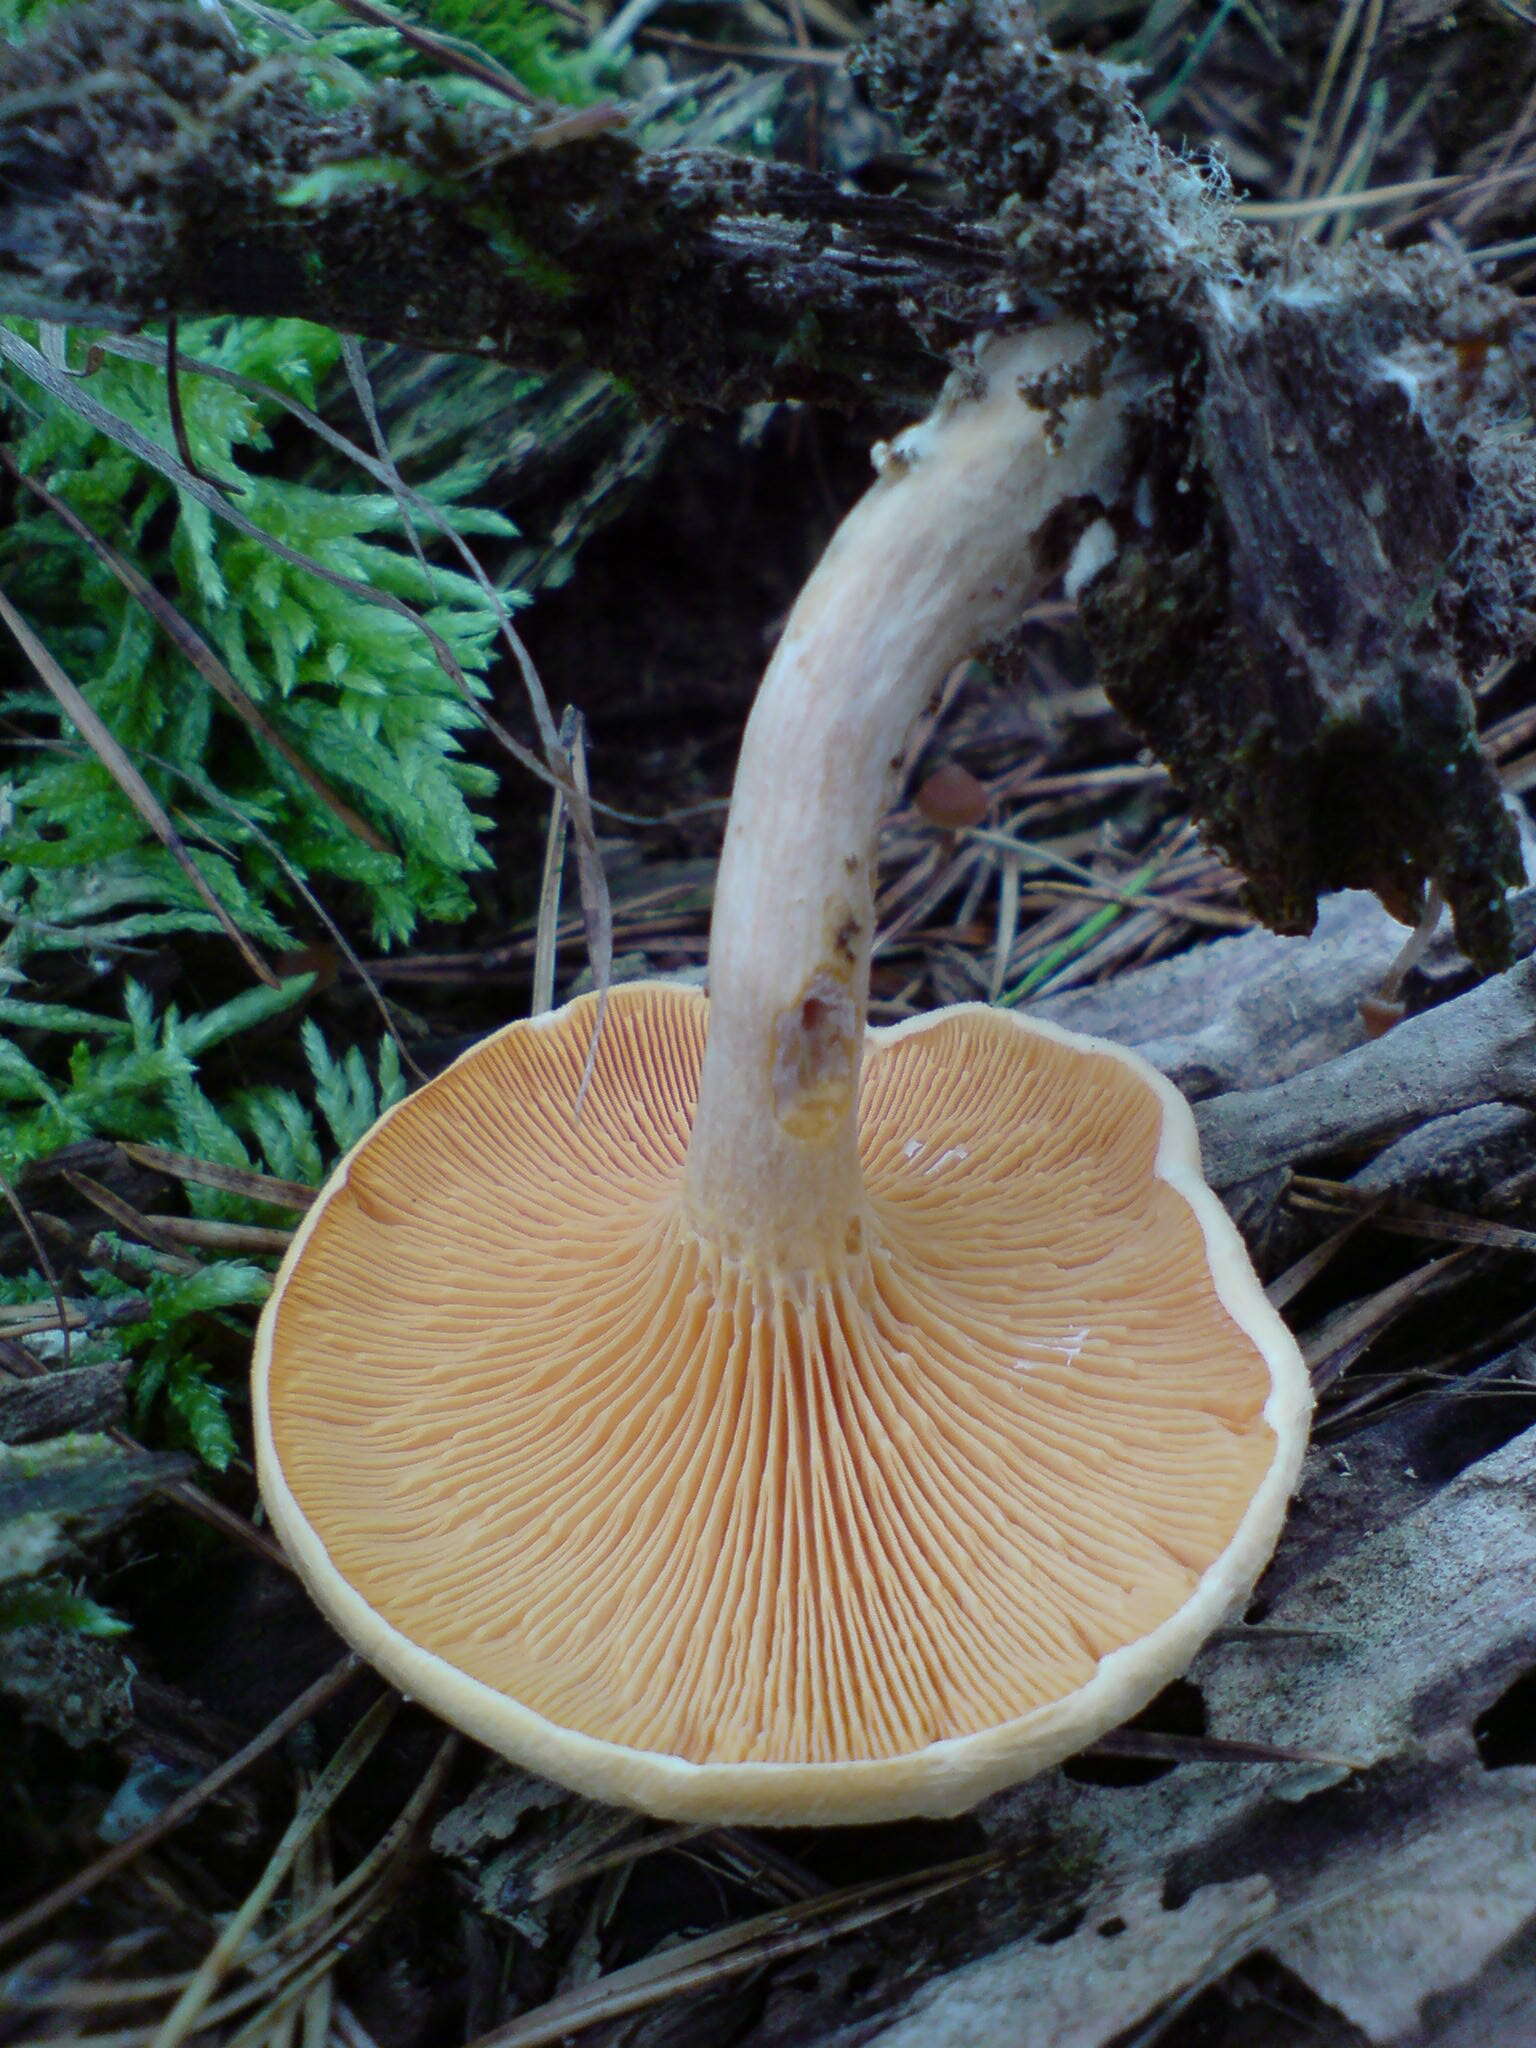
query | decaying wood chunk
[1330, 527]
[89, 1397]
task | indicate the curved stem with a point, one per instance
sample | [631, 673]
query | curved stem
[938, 556]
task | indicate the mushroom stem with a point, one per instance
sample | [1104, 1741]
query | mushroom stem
[952, 538]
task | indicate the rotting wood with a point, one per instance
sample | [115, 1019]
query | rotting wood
[89, 1397]
[1479, 1048]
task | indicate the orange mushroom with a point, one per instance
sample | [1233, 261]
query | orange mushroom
[822, 1424]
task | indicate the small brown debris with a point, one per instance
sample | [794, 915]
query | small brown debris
[953, 797]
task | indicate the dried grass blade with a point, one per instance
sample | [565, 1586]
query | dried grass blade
[85, 1994]
[445, 52]
[1007, 921]
[285, 1976]
[1331, 1351]
[1214, 1749]
[128, 779]
[694, 1965]
[566, 759]
[359, 1745]
[218, 801]
[1406, 1218]
[1287, 1285]
[28, 1318]
[1300, 180]
[372, 1887]
[559, 1876]
[548, 929]
[313, 1878]
[128, 1218]
[230, 1180]
[596, 904]
[45, 1266]
[1328, 177]
[383, 470]
[225, 1520]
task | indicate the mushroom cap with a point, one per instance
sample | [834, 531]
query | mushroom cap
[728, 1545]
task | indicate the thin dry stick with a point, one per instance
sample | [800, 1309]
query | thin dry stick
[1287, 1285]
[91, 1994]
[355, 1897]
[596, 904]
[343, 1767]
[1187, 907]
[217, 1516]
[447, 53]
[1007, 922]
[753, 53]
[1216, 1749]
[559, 1876]
[301, 888]
[231, 1239]
[126, 1217]
[217, 799]
[302, 1971]
[178, 417]
[1332, 1349]
[362, 391]
[1464, 220]
[309, 1702]
[1405, 1218]
[139, 351]
[281, 1970]
[1382, 195]
[567, 767]
[313, 1881]
[347, 2027]
[128, 779]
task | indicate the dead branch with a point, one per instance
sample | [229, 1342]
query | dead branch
[1479, 1048]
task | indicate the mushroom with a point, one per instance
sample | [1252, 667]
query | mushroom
[807, 1422]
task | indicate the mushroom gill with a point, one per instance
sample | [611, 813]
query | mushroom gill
[691, 1505]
